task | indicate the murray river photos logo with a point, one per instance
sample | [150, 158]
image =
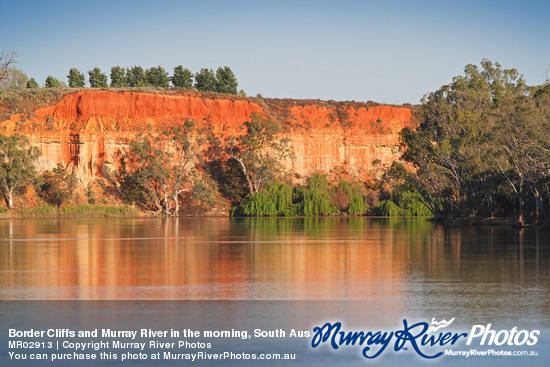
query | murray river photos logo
[427, 340]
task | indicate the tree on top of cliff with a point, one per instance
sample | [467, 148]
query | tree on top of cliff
[182, 78]
[157, 169]
[259, 152]
[53, 82]
[158, 77]
[15, 79]
[16, 165]
[97, 79]
[76, 78]
[7, 58]
[136, 77]
[205, 80]
[32, 83]
[226, 81]
[118, 77]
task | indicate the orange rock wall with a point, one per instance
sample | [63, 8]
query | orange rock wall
[89, 128]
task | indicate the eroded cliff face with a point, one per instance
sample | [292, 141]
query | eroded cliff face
[90, 128]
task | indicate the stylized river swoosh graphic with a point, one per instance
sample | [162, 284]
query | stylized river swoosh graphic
[439, 325]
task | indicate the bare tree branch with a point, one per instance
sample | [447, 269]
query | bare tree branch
[7, 58]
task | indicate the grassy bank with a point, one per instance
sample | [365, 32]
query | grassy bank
[71, 211]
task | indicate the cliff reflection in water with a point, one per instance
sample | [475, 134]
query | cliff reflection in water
[393, 261]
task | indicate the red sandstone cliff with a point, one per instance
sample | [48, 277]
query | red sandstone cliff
[88, 128]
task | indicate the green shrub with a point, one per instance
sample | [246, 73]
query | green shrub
[388, 209]
[357, 206]
[349, 197]
[280, 199]
[274, 199]
[316, 197]
[403, 202]
[57, 185]
[412, 204]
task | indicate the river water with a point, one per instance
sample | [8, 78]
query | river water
[371, 273]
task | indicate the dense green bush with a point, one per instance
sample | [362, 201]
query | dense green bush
[349, 197]
[318, 197]
[412, 204]
[388, 209]
[403, 202]
[275, 199]
[57, 186]
[357, 205]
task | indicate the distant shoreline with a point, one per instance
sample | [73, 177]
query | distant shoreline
[126, 211]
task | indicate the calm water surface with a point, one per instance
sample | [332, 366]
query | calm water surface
[392, 268]
[251, 259]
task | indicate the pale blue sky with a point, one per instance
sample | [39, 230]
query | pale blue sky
[385, 51]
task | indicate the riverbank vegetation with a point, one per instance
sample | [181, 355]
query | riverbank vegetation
[157, 170]
[482, 148]
[315, 198]
[78, 210]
